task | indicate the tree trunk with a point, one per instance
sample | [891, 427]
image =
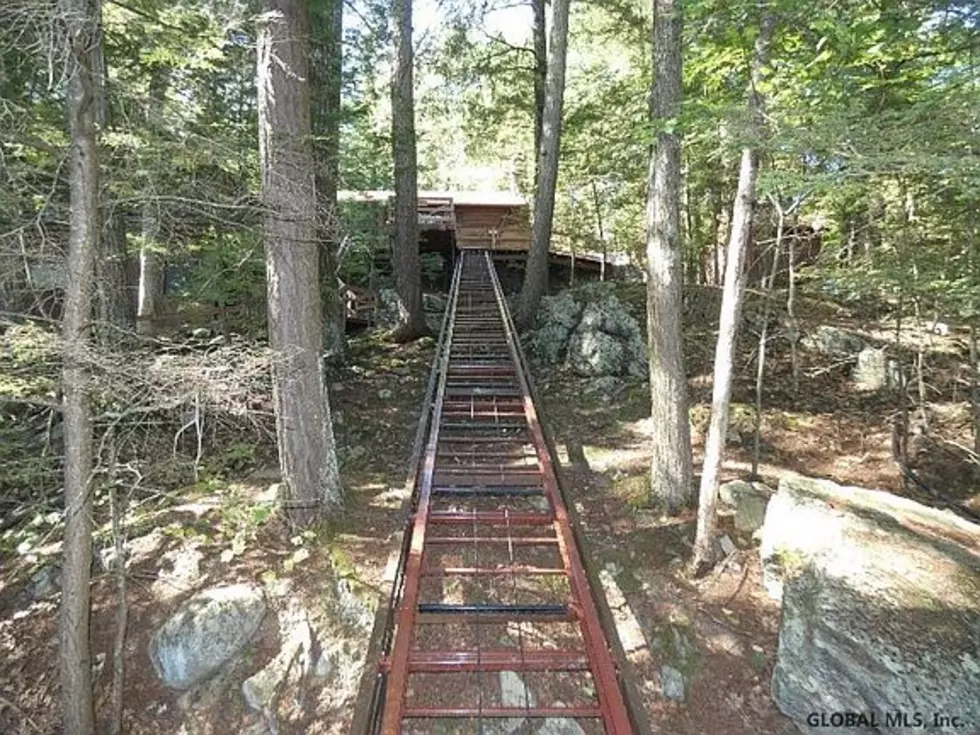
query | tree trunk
[408, 269]
[671, 469]
[975, 385]
[536, 271]
[540, 75]
[326, 53]
[307, 454]
[82, 20]
[601, 229]
[731, 310]
[150, 288]
[150, 293]
[791, 323]
[115, 303]
[760, 372]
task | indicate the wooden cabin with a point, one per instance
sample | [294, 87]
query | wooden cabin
[449, 221]
[498, 221]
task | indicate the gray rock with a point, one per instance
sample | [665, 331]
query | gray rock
[387, 312]
[606, 387]
[561, 309]
[749, 501]
[871, 372]
[589, 330]
[324, 666]
[46, 582]
[593, 353]
[729, 492]
[204, 633]
[292, 663]
[673, 683]
[607, 315]
[433, 302]
[548, 343]
[833, 341]
[513, 693]
[179, 572]
[879, 608]
[750, 512]
[728, 546]
[560, 726]
[108, 558]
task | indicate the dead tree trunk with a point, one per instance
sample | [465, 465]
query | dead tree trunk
[307, 453]
[536, 271]
[408, 269]
[731, 310]
[671, 469]
[150, 288]
[82, 20]
[326, 53]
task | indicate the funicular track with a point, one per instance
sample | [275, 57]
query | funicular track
[492, 626]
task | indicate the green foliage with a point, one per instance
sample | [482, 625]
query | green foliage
[233, 460]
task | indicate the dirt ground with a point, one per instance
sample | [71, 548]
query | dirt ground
[721, 631]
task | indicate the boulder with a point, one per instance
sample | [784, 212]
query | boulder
[514, 692]
[45, 582]
[606, 321]
[673, 683]
[387, 313]
[749, 501]
[206, 632]
[293, 662]
[591, 354]
[830, 340]
[557, 316]
[870, 373]
[560, 726]
[880, 609]
[434, 302]
[590, 331]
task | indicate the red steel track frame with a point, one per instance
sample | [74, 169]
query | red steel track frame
[596, 657]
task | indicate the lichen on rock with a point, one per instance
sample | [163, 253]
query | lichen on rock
[879, 604]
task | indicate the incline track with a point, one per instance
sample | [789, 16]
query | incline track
[492, 627]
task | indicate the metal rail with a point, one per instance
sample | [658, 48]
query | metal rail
[492, 625]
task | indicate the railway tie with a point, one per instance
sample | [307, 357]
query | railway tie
[492, 625]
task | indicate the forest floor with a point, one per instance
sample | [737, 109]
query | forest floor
[721, 631]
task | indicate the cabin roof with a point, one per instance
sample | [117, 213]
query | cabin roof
[459, 198]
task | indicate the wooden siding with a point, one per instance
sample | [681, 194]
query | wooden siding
[476, 225]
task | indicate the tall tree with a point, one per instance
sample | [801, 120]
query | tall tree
[115, 304]
[405, 255]
[307, 454]
[731, 304]
[672, 472]
[82, 20]
[326, 54]
[536, 271]
[540, 73]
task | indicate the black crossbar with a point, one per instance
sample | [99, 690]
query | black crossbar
[492, 609]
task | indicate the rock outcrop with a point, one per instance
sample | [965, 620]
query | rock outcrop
[749, 501]
[829, 340]
[590, 331]
[881, 610]
[293, 662]
[205, 632]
